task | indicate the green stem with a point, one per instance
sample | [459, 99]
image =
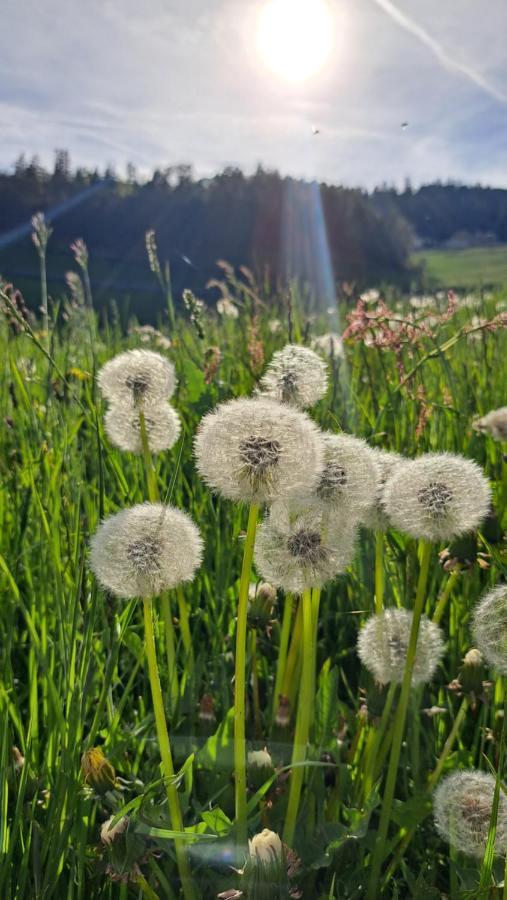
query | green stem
[374, 741]
[316, 593]
[170, 649]
[293, 655]
[379, 571]
[444, 596]
[240, 680]
[151, 475]
[185, 630]
[282, 652]
[165, 751]
[302, 722]
[255, 684]
[432, 781]
[399, 726]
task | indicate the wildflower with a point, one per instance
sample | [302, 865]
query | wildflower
[256, 450]
[108, 833]
[350, 475]
[330, 345]
[261, 600]
[295, 375]
[123, 427]
[269, 871]
[137, 377]
[437, 496]
[145, 549]
[300, 547]
[265, 846]
[489, 627]
[227, 308]
[260, 768]
[462, 805]
[494, 423]
[97, 771]
[374, 516]
[382, 647]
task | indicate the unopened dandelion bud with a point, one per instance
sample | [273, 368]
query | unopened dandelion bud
[489, 627]
[137, 378]
[462, 805]
[207, 710]
[260, 768]
[109, 833]
[256, 450]
[299, 547]
[296, 375]
[261, 601]
[282, 717]
[98, 773]
[142, 551]
[471, 674]
[383, 645]
[123, 427]
[436, 497]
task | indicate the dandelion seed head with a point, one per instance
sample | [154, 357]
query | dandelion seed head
[382, 647]
[494, 423]
[462, 805]
[123, 427]
[257, 450]
[330, 345]
[350, 474]
[296, 375]
[374, 516]
[144, 550]
[489, 627]
[438, 496]
[137, 377]
[300, 546]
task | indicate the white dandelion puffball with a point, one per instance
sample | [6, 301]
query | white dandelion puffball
[489, 627]
[330, 345]
[123, 427]
[257, 450]
[137, 377]
[265, 847]
[494, 423]
[382, 647]
[302, 547]
[144, 550]
[350, 475]
[462, 805]
[438, 496]
[295, 375]
[374, 517]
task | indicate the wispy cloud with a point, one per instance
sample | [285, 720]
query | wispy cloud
[443, 56]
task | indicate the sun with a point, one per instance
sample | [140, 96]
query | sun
[294, 37]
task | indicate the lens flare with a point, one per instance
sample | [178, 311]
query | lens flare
[294, 37]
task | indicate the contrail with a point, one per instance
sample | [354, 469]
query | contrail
[441, 54]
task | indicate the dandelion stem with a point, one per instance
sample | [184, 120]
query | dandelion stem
[282, 652]
[170, 649]
[293, 656]
[151, 475]
[316, 593]
[185, 630]
[240, 679]
[444, 596]
[165, 750]
[379, 572]
[255, 684]
[399, 725]
[302, 722]
[374, 741]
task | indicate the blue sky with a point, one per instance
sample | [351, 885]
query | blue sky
[159, 82]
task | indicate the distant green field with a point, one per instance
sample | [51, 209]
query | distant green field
[465, 268]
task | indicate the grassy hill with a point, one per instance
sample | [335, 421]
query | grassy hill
[471, 268]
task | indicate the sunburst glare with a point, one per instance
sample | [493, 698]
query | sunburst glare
[294, 37]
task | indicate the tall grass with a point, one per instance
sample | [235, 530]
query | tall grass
[71, 668]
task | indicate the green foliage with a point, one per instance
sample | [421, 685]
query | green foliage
[72, 674]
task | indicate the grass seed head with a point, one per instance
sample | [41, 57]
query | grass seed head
[137, 378]
[257, 450]
[383, 644]
[437, 496]
[122, 424]
[462, 805]
[142, 551]
[296, 375]
[299, 546]
[489, 627]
